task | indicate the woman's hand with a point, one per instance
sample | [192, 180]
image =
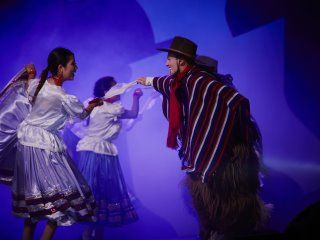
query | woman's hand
[137, 93]
[31, 71]
[94, 103]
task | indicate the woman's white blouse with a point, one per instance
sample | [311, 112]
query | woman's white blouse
[104, 126]
[49, 114]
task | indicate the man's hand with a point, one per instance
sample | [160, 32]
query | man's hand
[142, 80]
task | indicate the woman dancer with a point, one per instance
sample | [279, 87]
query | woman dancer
[99, 161]
[46, 183]
[14, 107]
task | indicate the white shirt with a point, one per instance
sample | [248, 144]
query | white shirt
[104, 126]
[49, 114]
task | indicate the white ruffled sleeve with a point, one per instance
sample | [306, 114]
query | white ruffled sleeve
[33, 84]
[74, 107]
[116, 109]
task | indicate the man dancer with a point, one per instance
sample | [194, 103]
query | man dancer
[209, 123]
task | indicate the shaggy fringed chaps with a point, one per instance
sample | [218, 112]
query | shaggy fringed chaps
[229, 200]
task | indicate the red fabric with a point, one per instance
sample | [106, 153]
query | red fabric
[175, 111]
[111, 100]
[57, 80]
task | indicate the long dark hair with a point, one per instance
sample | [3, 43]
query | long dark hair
[56, 57]
[103, 85]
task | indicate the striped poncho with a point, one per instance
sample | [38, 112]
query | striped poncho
[215, 117]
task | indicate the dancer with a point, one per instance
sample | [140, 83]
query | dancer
[210, 65]
[209, 123]
[14, 107]
[99, 161]
[46, 183]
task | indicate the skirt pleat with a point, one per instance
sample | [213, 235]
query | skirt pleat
[104, 175]
[47, 185]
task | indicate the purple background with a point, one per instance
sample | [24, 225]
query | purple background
[271, 55]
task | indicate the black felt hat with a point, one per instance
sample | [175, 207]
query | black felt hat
[207, 63]
[182, 46]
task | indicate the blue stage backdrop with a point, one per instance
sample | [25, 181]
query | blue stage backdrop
[256, 43]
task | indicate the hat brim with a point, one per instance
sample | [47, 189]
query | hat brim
[176, 51]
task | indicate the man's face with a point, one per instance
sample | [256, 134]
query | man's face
[173, 64]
